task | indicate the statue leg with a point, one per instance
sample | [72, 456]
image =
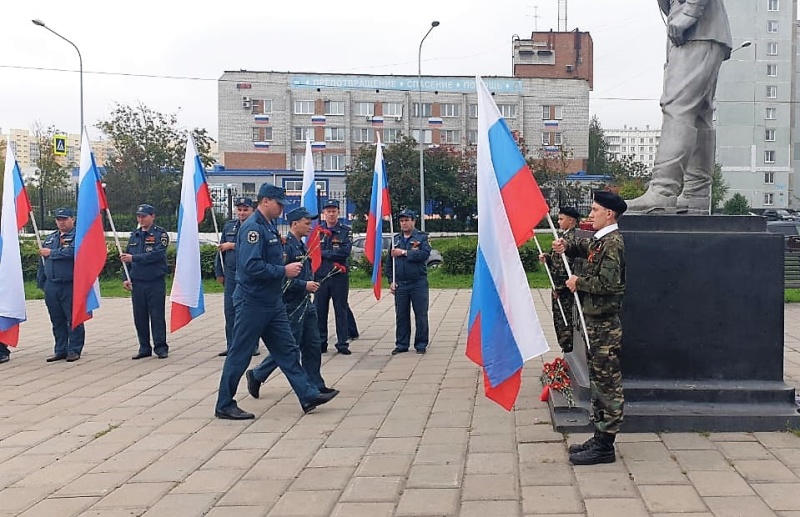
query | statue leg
[697, 181]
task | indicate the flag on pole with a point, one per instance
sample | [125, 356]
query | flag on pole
[379, 207]
[504, 330]
[90, 240]
[187, 286]
[309, 202]
[15, 206]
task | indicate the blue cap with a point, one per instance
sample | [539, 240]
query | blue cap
[246, 201]
[145, 210]
[407, 213]
[331, 203]
[64, 212]
[299, 213]
[268, 190]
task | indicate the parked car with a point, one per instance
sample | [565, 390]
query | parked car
[777, 215]
[434, 261]
[790, 230]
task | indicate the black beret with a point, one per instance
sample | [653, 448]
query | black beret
[570, 211]
[611, 201]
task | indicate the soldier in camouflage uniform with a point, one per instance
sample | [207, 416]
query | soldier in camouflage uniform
[568, 219]
[602, 287]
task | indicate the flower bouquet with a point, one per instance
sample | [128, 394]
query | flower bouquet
[555, 375]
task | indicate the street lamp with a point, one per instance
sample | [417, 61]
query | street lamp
[434, 24]
[40, 23]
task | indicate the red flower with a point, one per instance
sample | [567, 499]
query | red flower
[342, 268]
[325, 231]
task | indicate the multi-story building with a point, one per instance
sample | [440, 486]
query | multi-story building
[756, 103]
[640, 144]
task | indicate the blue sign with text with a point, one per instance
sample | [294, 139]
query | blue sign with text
[404, 83]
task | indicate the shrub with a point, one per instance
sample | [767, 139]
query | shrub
[459, 260]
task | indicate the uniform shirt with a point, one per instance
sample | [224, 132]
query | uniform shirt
[335, 247]
[296, 251]
[149, 250]
[58, 267]
[413, 266]
[260, 267]
[556, 264]
[602, 283]
[712, 20]
[229, 233]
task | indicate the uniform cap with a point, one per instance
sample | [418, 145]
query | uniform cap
[611, 201]
[145, 210]
[64, 212]
[270, 191]
[331, 203]
[407, 213]
[299, 213]
[246, 201]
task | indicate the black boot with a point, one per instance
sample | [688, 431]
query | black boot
[580, 447]
[601, 452]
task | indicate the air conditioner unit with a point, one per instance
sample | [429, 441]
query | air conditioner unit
[246, 104]
[245, 99]
[569, 68]
[369, 118]
[398, 119]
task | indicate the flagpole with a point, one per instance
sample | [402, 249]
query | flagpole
[116, 240]
[216, 231]
[36, 233]
[569, 273]
[391, 248]
[552, 283]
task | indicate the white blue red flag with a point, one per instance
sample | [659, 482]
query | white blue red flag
[309, 202]
[504, 330]
[15, 209]
[379, 207]
[187, 285]
[90, 240]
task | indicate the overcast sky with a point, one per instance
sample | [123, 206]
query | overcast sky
[176, 50]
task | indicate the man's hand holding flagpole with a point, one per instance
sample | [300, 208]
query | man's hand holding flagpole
[552, 283]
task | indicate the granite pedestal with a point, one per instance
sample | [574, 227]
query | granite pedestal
[702, 327]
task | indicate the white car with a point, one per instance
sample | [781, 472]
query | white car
[434, 261]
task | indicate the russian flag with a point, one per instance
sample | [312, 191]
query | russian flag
[187, 285]
[261, 119]
[16, 206]
[318, 145]
[90, 240]
[377, 120]
[551, 123]
[379, 207]
[504, 330]
[308, 200]
[261, 145]
[435, 121]
[318, 119]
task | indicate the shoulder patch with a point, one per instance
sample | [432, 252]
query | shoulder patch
[164, 239]
[252, 236]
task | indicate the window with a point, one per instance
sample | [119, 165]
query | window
[473, 110]
[365, 109]
[770, 113]
[294, 186]
[508, 110]
[427, 135]
[301, 132]
[773, 5]
[552, 112]
[392, 109]
[450, 110]
[262, 134]
[769, 178]
[624, 140]
[391, 136]
[772, 48]
[298, 162]
[772, 92]
[451, 136]
[249, 188]
[769, 156]
[303, 107]
[334, 107]
[769, 199]
[334, 134]
[624, 149]
[772, 70]
[769, 135]
[261, 106]
[364, 135]
[333, 162]
[427, 109]
[650, 149]
[772, 26]
[551, 138]
[472, 137]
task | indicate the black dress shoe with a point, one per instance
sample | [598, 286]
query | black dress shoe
[4, 359]
[421, 350]
[142, 355]
[56, 357]
[326, 390]
[353, 336]
[222, 354]
[344, 350]
[319, 400]
[162, 355]
[253, 384]
[399, 350]
[234, 412]
[73, 356]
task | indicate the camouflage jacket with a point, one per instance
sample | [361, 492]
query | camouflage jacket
[602, 284]
[555, 263]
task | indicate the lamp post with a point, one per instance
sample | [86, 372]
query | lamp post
[40, 23]
[434, 24]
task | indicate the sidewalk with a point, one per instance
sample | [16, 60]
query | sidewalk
[409, 435]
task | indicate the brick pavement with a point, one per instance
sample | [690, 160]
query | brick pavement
[409, 435]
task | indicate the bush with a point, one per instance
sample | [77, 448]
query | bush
[459, 260]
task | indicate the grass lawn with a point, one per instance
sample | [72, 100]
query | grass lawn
[792, 296]
[113, 289]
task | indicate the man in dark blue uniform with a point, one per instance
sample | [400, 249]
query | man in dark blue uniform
[146, 256]
[301, 311]
[54, 276]
[225, 269]
[408, 273]
[336, 249]
[260, 312]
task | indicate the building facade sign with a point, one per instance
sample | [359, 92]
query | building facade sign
[404, 83]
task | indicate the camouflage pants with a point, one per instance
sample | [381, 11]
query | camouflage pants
[605, 373]
[563, 332]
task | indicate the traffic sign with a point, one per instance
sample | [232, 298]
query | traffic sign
[60, 145]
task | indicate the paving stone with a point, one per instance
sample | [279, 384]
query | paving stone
[384, 465]
[439, 454]
[238, 511]
[490, 487]
[702, 460]
[329, 478]
[305, 504]
[489, 508]
[738, 507]
[135, 494]
[71, 506]
[209, 481]
[656, 473]
[492, 463]
[545, 474]
[643, 451]
[671, 498]
[373, 489]
[337, 457]
[613, 507]
[435, 476]
[765, 471]
[710, 483]
[542, 452]
[743, 450]
[363, 510]
[551, 499]
[780, 496]
[262, 493]
[394, 446]
[611, 485]
[428, 501]
[16, 499]
[97, 484]
[185, 505]
[687, 441]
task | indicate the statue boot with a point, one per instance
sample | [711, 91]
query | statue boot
[696, 195]
[677, 142]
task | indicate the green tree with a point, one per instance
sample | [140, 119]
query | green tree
[719, 188]
[627, 168]
[736, 205]
[150, 149]
[50, 173]
[598, 161]
[631, 188]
